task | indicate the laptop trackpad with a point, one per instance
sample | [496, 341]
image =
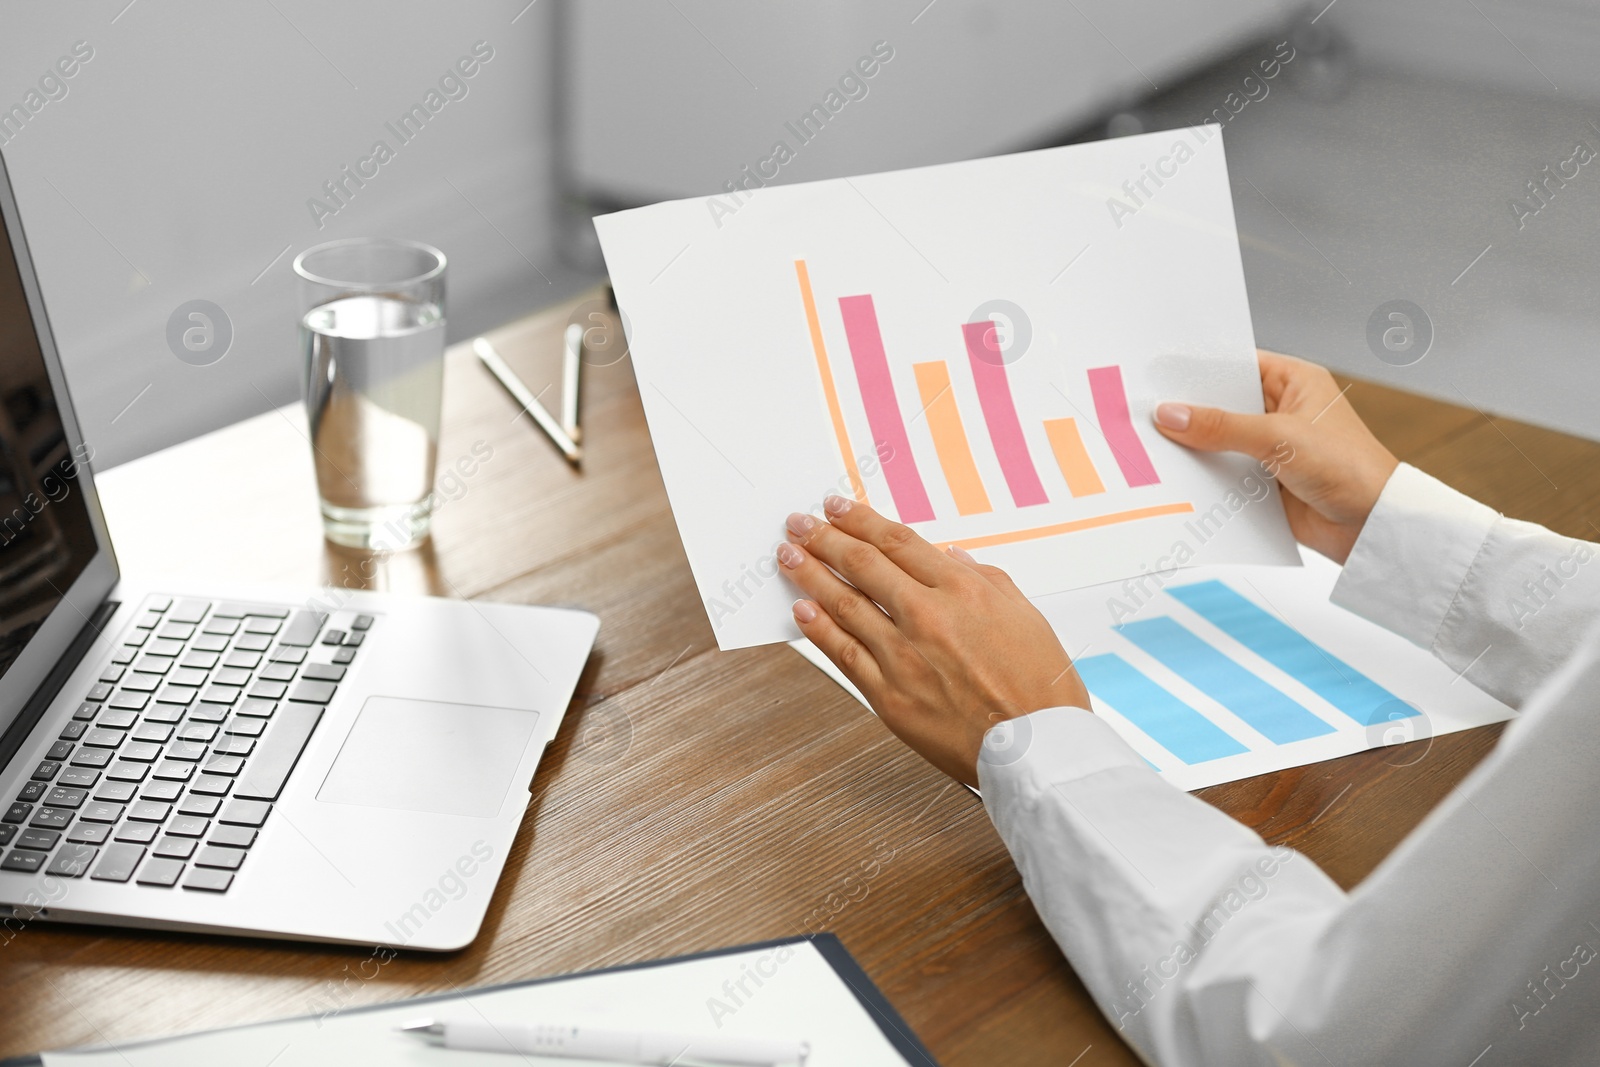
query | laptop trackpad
[422, 755]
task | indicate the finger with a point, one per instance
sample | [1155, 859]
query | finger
[846, 605]
[859, 563]
[993, 575]
[843, 648]
[1215, 430]
[898, 542]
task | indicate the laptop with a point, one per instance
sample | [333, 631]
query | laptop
[329, 765]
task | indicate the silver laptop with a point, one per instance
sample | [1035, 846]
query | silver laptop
[314, 764]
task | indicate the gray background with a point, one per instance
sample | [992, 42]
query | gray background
[1380, 165]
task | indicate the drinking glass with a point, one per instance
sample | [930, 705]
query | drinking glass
[373, 338]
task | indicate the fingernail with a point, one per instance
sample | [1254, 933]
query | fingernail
[790, 556]
[801, 524]
[960, 553]
[1173, 416]
[805, 610]
[836, 505]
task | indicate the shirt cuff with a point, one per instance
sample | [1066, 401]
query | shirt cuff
[1413, 555]
[1023, 757]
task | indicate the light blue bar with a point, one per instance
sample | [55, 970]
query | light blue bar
[1171, 723]
[1277, 716]
[1291, 652]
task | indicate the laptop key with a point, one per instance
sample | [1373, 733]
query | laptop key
[232, 836]
[99, 692]
[86, 712]
[161, 790]
[155, 732]
[59, 751]
[245, 727]
[100, 737]
[225, 627]
[212, 881]
[323, 672]
[188, 826]
[118, 718]
[142, 682]
[166, 714]
[205, 807]
[38, 840]
[148, 664]
[142, 751]
[188, 751]
[83, 776]
[72, 861]
[216, 694]
[363, 622]
[148, 621]
[333, 637]
[89, 833]
[22, 862]
[278, 752]
[117, 863]
[189, 611]
[47, 770]
[73, 730]
[51, 818]
[174, 770]
[138, 833]
[232, 745]
[278, 672]
[204, 712]
[18, 812]
[178, 848]
[211, 785]
[254, 625]
[345, 655]
[227, 859]
[202, 661]
[257, 708]
[125, 698]
[202, 732]
[312, 692]
[112, 673]
[187, 676]
[248, 660]
[354, 640]
[102, 811]
[127, 771]
[116, 792]
[232, 675]
[253, 642]
[32, 792]
[176, 631]
[124, 655]
[209, 643]
[160, 872]
[149, 811]
[158, 603]
[66, 797]
[265, 690]
[229, 765]
[281, 654]
[7, 832]
[302, 629]
[162, 646]
[246, 812]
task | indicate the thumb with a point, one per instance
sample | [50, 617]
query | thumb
[1216, 430]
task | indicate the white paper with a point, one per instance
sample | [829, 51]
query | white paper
[798, 996]
[1085, 621]
[1091, 259]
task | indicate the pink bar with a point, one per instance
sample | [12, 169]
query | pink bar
[883, 410]
[1111, 406]
[1000, 414]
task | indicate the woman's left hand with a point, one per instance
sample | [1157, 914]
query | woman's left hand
[942, 646]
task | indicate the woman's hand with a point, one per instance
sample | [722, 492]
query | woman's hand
[942, 646]
[1338, 468]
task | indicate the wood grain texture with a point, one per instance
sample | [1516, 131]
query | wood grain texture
[696, 799]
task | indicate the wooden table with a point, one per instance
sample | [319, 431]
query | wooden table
[693, 798]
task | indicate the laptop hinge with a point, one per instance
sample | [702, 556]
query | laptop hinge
[34, 709]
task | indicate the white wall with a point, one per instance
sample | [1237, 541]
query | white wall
[179, 164]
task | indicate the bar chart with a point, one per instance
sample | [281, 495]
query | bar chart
[933, 411]
[1230, 672]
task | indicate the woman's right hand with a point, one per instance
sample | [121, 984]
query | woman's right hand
[1336, 469]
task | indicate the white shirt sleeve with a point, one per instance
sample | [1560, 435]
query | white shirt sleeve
[1476, 942]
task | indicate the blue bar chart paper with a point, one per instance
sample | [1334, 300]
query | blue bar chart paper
[1270, 711]
[1287, 649]
[1171, 723]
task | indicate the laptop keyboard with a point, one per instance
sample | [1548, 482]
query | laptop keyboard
[170, 765]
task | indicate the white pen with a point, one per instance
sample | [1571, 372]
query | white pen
[571, 369]
[596, 1043]
[530, 403]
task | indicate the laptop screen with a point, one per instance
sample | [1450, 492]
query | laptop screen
[46, 536]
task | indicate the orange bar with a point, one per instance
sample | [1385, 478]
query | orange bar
[1070, 527]
[950, 438]
[1067, 444]
[825, 372]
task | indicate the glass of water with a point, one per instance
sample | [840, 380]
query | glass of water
[373, 339]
